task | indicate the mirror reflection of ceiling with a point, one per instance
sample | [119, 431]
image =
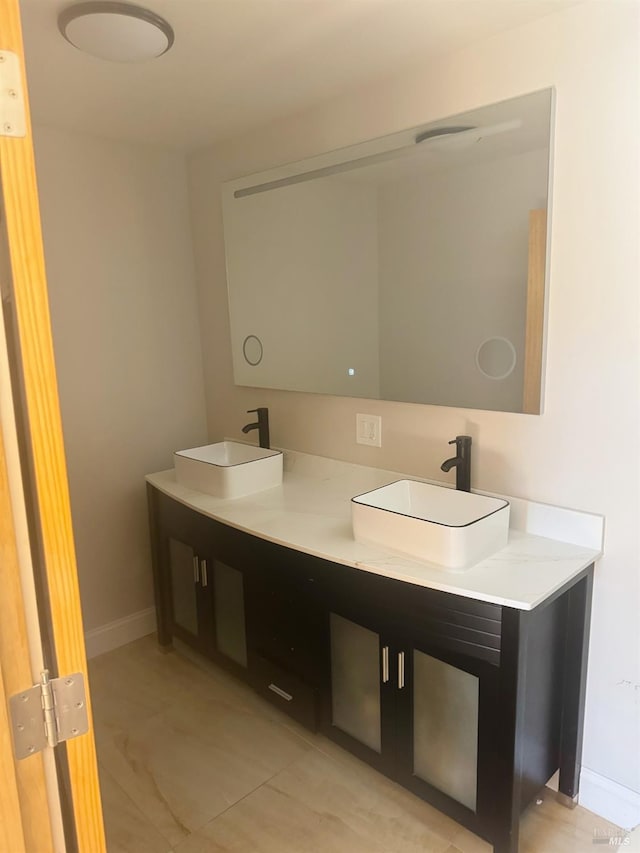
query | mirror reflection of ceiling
[245, 50]
[508, 134]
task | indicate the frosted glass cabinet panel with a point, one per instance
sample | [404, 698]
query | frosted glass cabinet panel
[445, 735]
[184, 599]
[231, 637]
[355, 681]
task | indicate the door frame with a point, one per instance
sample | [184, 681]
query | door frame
[43, 466]
[26, 819]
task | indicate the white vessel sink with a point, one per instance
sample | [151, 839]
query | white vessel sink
[452, 528]
[227, 469]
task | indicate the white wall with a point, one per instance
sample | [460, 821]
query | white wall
[295, 255]
[119, 262]
[583, 451]
[453, 273]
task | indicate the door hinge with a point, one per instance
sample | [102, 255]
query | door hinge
[48, 713]
[13, 121]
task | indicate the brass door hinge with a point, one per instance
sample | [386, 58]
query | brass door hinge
[13, 121]
[48, 713]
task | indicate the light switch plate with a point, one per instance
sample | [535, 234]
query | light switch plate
[369, 430]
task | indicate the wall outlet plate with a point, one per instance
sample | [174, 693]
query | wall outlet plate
[369, 430]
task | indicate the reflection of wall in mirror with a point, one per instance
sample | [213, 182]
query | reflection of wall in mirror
[303, 263]
[457, 242]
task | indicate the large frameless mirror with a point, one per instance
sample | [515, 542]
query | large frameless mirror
[409, 268]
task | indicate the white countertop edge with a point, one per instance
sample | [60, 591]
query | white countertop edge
[479, 595]
[529, 570]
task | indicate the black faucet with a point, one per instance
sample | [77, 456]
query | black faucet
[461, 462]
[262, 425]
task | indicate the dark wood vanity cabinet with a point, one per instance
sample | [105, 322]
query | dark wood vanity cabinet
[412, 685]
[200, 584]
[248, 604]
[471, 705]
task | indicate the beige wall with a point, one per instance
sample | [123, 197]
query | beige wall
[121, 286]
[583, 452]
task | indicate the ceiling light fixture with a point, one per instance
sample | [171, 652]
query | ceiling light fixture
[119, 32]
[459, 138]
[436, 132]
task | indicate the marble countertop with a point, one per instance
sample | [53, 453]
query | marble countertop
[311, 512]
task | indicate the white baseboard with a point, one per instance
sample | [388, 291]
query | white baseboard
[608, 799]
[118, 633]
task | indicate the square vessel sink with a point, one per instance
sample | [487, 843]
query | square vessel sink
[444, 526]
[227, 469]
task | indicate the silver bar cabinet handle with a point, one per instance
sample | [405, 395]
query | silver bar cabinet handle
[196, 571]
[385, 664]
[400, 670]
[280, 692]
[203, 567]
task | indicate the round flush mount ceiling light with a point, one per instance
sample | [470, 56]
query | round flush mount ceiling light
[119, 32]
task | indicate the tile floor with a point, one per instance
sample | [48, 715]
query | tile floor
[193, 761]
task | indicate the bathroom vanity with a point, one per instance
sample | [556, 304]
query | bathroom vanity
[467, 688]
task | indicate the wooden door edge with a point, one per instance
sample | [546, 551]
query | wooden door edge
[22, 217]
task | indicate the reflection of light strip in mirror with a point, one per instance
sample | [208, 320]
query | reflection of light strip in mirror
[467, 137]
[325, 171]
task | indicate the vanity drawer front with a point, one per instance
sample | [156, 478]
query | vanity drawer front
[286, 691]
[474, 645]
[463, 625]
[472, 628]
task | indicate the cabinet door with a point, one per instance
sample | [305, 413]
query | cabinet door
[189, 594]
[438, 727]
[200, 591]
[358, 704]
[230, 635]
[445, 727]
[223, 575]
